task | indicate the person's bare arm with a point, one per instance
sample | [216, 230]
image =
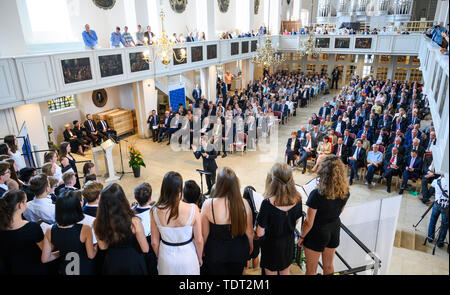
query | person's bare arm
[87, 238]
[308, 223]
[47, 247]
[198, 237]
[249, 230]
[155, 235]
[140, 234]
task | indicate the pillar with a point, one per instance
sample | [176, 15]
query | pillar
[145, 100]
[212, 77]
[204, 83]
[206, 23]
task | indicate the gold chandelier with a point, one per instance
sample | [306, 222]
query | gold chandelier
[308, 47]
[267, 56]
[163, 48]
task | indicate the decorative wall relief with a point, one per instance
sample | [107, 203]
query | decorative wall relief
[223, 5]
[104, 4]
[257, 3]
[179, 6]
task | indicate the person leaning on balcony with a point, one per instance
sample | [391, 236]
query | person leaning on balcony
[127, 37]
[90, 38]
[117, 38]
[139, 36]
[445, 50]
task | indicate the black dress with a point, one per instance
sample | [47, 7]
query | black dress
[277, 244]
[225, 255]
[124, 258]
[72, 164]
[67, 240]
[325, 232]
[19, 254]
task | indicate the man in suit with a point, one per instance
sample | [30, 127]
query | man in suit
[308, 148]
[228, 133]
[417, 147]
[103, 128]
[339, 125]
[353, 128]
[341, 150]
[164, 126]
[381, 137]
[410, 136]
[398, 144]
[91, 131]
[413, 169]
[392, 166]
[366, 130]
[80, 132]
[196, 94]
[356, 159]
[399, 124]
[347, 140]
[335, 77]
[384, 123]
[301, 134]
[175, 125]
[316, 134]
[324, 110]
[153, 125]
[208, 155]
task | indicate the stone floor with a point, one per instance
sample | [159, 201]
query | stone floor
[252, 168]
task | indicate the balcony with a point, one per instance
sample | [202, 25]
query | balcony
[36, 78]
[435, 68]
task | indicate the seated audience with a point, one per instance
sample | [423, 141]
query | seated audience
[393, 162]
[91, 193]
[5, 175]
[413, 169]
[356, 159]
[16, 153]
[292, 149]
[25, 175]
[323, 150]
[373, 162]
[69, 180]
[41, 207]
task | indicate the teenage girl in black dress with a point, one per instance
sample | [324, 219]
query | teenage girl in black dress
[68, 237]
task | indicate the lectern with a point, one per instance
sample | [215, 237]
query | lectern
[106, 149]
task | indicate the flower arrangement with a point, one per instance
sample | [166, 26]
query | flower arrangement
[136, 159]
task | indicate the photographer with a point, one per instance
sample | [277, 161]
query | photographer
[440, 206]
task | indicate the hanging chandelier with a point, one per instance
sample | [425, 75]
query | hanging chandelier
[308, 48]
[163, 48]
[267, 56]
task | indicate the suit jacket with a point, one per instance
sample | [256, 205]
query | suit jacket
[420, 151]
[67, 135]
[349, 142]
[231, 132]
[361, 156]
[296, 146]
[304, 143]
[87, 126]
[401, 150]
[384, 140]
[78, 132]
[343, 126]
[197, 94]
[100, 126]
[344, 152]
[63, 190]
[382, 123]
[209, 164]
[417, 166]
[301, 135]
[153, 120]
[324, 111]
[387, 160]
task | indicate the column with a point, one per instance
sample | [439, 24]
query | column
[204, 83]
[145, 100]
[142, 13]
[212, 78]
[274, 8]
[206, 23]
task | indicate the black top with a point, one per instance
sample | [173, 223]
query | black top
[72, 164]
[327, 210]
[90, 210]
[277, 245]
[221, 247]
[19, 253]
[67, 240]
[26, 188]
[209, 164]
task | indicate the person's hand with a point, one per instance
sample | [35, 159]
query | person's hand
[300, 242]
[194, 148]
[205, 155]
[200, 261]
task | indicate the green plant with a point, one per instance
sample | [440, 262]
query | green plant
[136, 159]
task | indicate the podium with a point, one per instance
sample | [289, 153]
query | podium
[106, 149]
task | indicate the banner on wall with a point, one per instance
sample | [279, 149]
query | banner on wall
[25, 146]
[177, 95]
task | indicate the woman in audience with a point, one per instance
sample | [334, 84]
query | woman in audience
[332, 135]
[13, 169]
[277, 218]
[16, 154]
[227, 227]
[119, 232]
[323, 150]
[68, 161]
[69, 237]
[292, 149]
[51, 157]
[53, 184]
[49, 169]
[192, 194]
[89, 172]
[321, 228]
[176, 230]
[20, 241]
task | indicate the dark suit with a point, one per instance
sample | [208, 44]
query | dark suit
[343, 125]
[385, 124]
[153, 121]
[229, 133]
[79, 133]
[417, 166]
[291, 153]
[103, 128]
[358, 163]
[348, 141]
[197, 94]
[209, 164]
[65, 189]
[75, 143]
[344, 152]
[89, 126]
[306, 154]
[388, 151]
[390, 171]
[164, 127]
[420, 151]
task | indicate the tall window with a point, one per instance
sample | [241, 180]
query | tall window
[47, 21]
[400, 74]
[60, 103]
[367, 71]
[382, 73]
[415, 75]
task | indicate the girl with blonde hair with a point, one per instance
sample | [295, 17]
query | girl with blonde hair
[279, 214]
[321, 228]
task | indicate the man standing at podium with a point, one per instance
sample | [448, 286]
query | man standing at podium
[209, 156]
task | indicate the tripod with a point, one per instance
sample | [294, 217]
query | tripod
[201, 172]
[437, 231]
[118, 141]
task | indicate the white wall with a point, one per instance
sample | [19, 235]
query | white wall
[259, 18]
[225, 21]
[11, 30]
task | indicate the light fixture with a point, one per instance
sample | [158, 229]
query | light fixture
[308, 47]
[267, 56]
[163, 48]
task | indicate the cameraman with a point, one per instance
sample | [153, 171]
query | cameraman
[440, 207]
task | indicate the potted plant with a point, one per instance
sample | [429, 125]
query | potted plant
[136, 160]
